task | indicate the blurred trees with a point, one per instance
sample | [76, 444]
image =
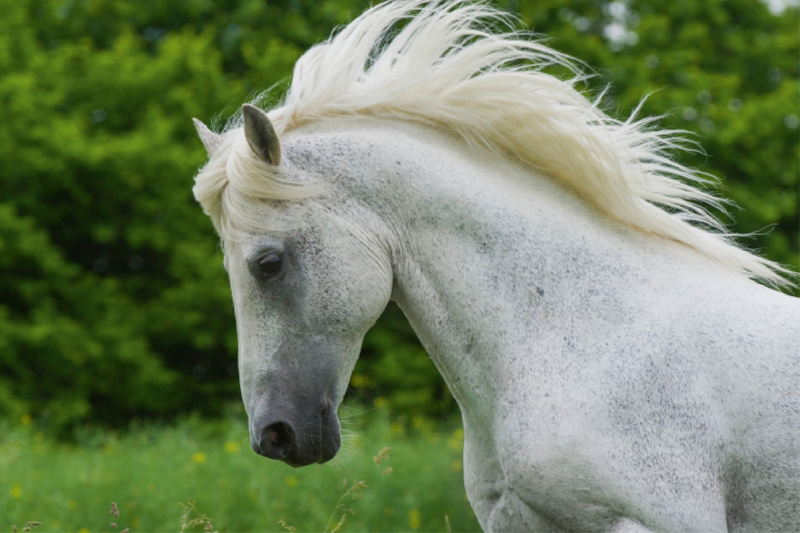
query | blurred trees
[113, 301]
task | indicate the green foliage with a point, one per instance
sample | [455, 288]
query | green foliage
[61, 329]
[394, 369]
[113, 301]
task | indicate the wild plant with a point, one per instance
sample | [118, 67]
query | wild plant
[28, 527]
[200, 519]
[115, 513]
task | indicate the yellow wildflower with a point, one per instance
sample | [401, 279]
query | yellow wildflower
[413, 519]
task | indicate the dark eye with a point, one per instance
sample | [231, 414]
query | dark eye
[270, 264]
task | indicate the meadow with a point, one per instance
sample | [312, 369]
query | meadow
[149, 471]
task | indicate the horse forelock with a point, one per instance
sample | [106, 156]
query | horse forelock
[440, 62]
[235, 182]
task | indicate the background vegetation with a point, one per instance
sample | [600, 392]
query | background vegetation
[113, 301]
[148, 471]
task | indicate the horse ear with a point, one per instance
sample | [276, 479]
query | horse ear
[261, 135]
[210, 139]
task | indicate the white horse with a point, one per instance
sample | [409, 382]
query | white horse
[616, 367]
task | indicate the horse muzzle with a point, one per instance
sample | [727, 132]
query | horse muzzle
[297, 440]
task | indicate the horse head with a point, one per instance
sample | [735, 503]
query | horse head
[304, 297]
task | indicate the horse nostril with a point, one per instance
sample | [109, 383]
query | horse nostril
[278, 434]
[277, 440]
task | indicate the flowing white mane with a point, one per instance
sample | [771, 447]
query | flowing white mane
[438, 63]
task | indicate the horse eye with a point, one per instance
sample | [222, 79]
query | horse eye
[270, 264]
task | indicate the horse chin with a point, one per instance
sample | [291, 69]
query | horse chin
[331, 435]
[328, 444]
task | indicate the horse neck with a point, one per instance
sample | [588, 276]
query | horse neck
[492, 263]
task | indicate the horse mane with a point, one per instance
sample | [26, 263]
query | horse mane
[439, 62]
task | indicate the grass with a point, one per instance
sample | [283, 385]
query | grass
[150, 472]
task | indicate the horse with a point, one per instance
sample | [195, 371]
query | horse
[617, 365]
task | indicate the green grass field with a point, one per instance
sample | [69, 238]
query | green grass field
[149, 471]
